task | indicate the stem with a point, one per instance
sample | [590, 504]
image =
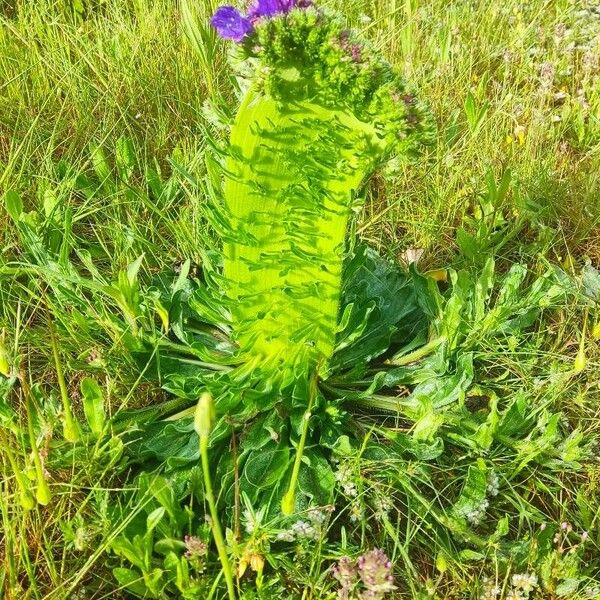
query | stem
[42, 494]
[288, 502]
[26, 498]
[214, 515]
[580, 359]
[236, 484]
[417, 354]
[70, 428]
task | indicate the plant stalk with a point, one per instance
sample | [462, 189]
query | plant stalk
[203, 425]
[288, 502]
[70, 428]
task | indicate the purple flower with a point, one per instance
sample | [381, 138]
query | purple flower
[231, 24]
[345, 573]
[375, 570]
[195, 547]
[265, 8]
[268, 8]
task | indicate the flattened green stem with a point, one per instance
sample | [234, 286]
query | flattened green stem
[292, 175]
[70, 427]
[288, 502]
[204, 421]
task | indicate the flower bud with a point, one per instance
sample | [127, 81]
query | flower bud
[257, 563]
[204, 418]
[4, 363]
[580, 361]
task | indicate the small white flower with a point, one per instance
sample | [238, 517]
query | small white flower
[515, 594]
[350, 489]
[317, 516]
[526, 583]
[303, 529]
[285, 536]
[356, 512]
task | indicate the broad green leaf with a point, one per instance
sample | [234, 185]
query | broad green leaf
[383, 309]
[265, 468]
[93, 405]
[316, 479]
[426, 428]
[289, 208]
[125, 548]
[14, 205]
[473, 495]
[131, 580]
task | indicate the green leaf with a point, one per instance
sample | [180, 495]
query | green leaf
[131, 580]
[93, 405]
[474, 491]
[165, 546]
[14, 205]
[381, 307]
[125, 158]
[135, 555]
[133, 270]
[591, 282]
[404, 443]
[265, 468]
[282, 258]
[316, 479]
[427, 426]
[567, 587]
[154, 518]
[502, 528]
[471, 555]
[484, 436]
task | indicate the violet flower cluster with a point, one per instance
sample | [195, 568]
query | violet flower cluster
[231, 24]
[369, 578]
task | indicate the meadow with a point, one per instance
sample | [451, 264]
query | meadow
[109, 113]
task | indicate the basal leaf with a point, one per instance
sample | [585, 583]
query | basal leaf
[316, 479]
[265, 468]
[384, 306]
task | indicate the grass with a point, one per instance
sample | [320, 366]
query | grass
[99, 101]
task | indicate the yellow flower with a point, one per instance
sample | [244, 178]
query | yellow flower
[520, 134]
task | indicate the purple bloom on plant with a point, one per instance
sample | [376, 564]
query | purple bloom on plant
[264, 8]
[268, 8]
[375, 570]
[231, 24]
